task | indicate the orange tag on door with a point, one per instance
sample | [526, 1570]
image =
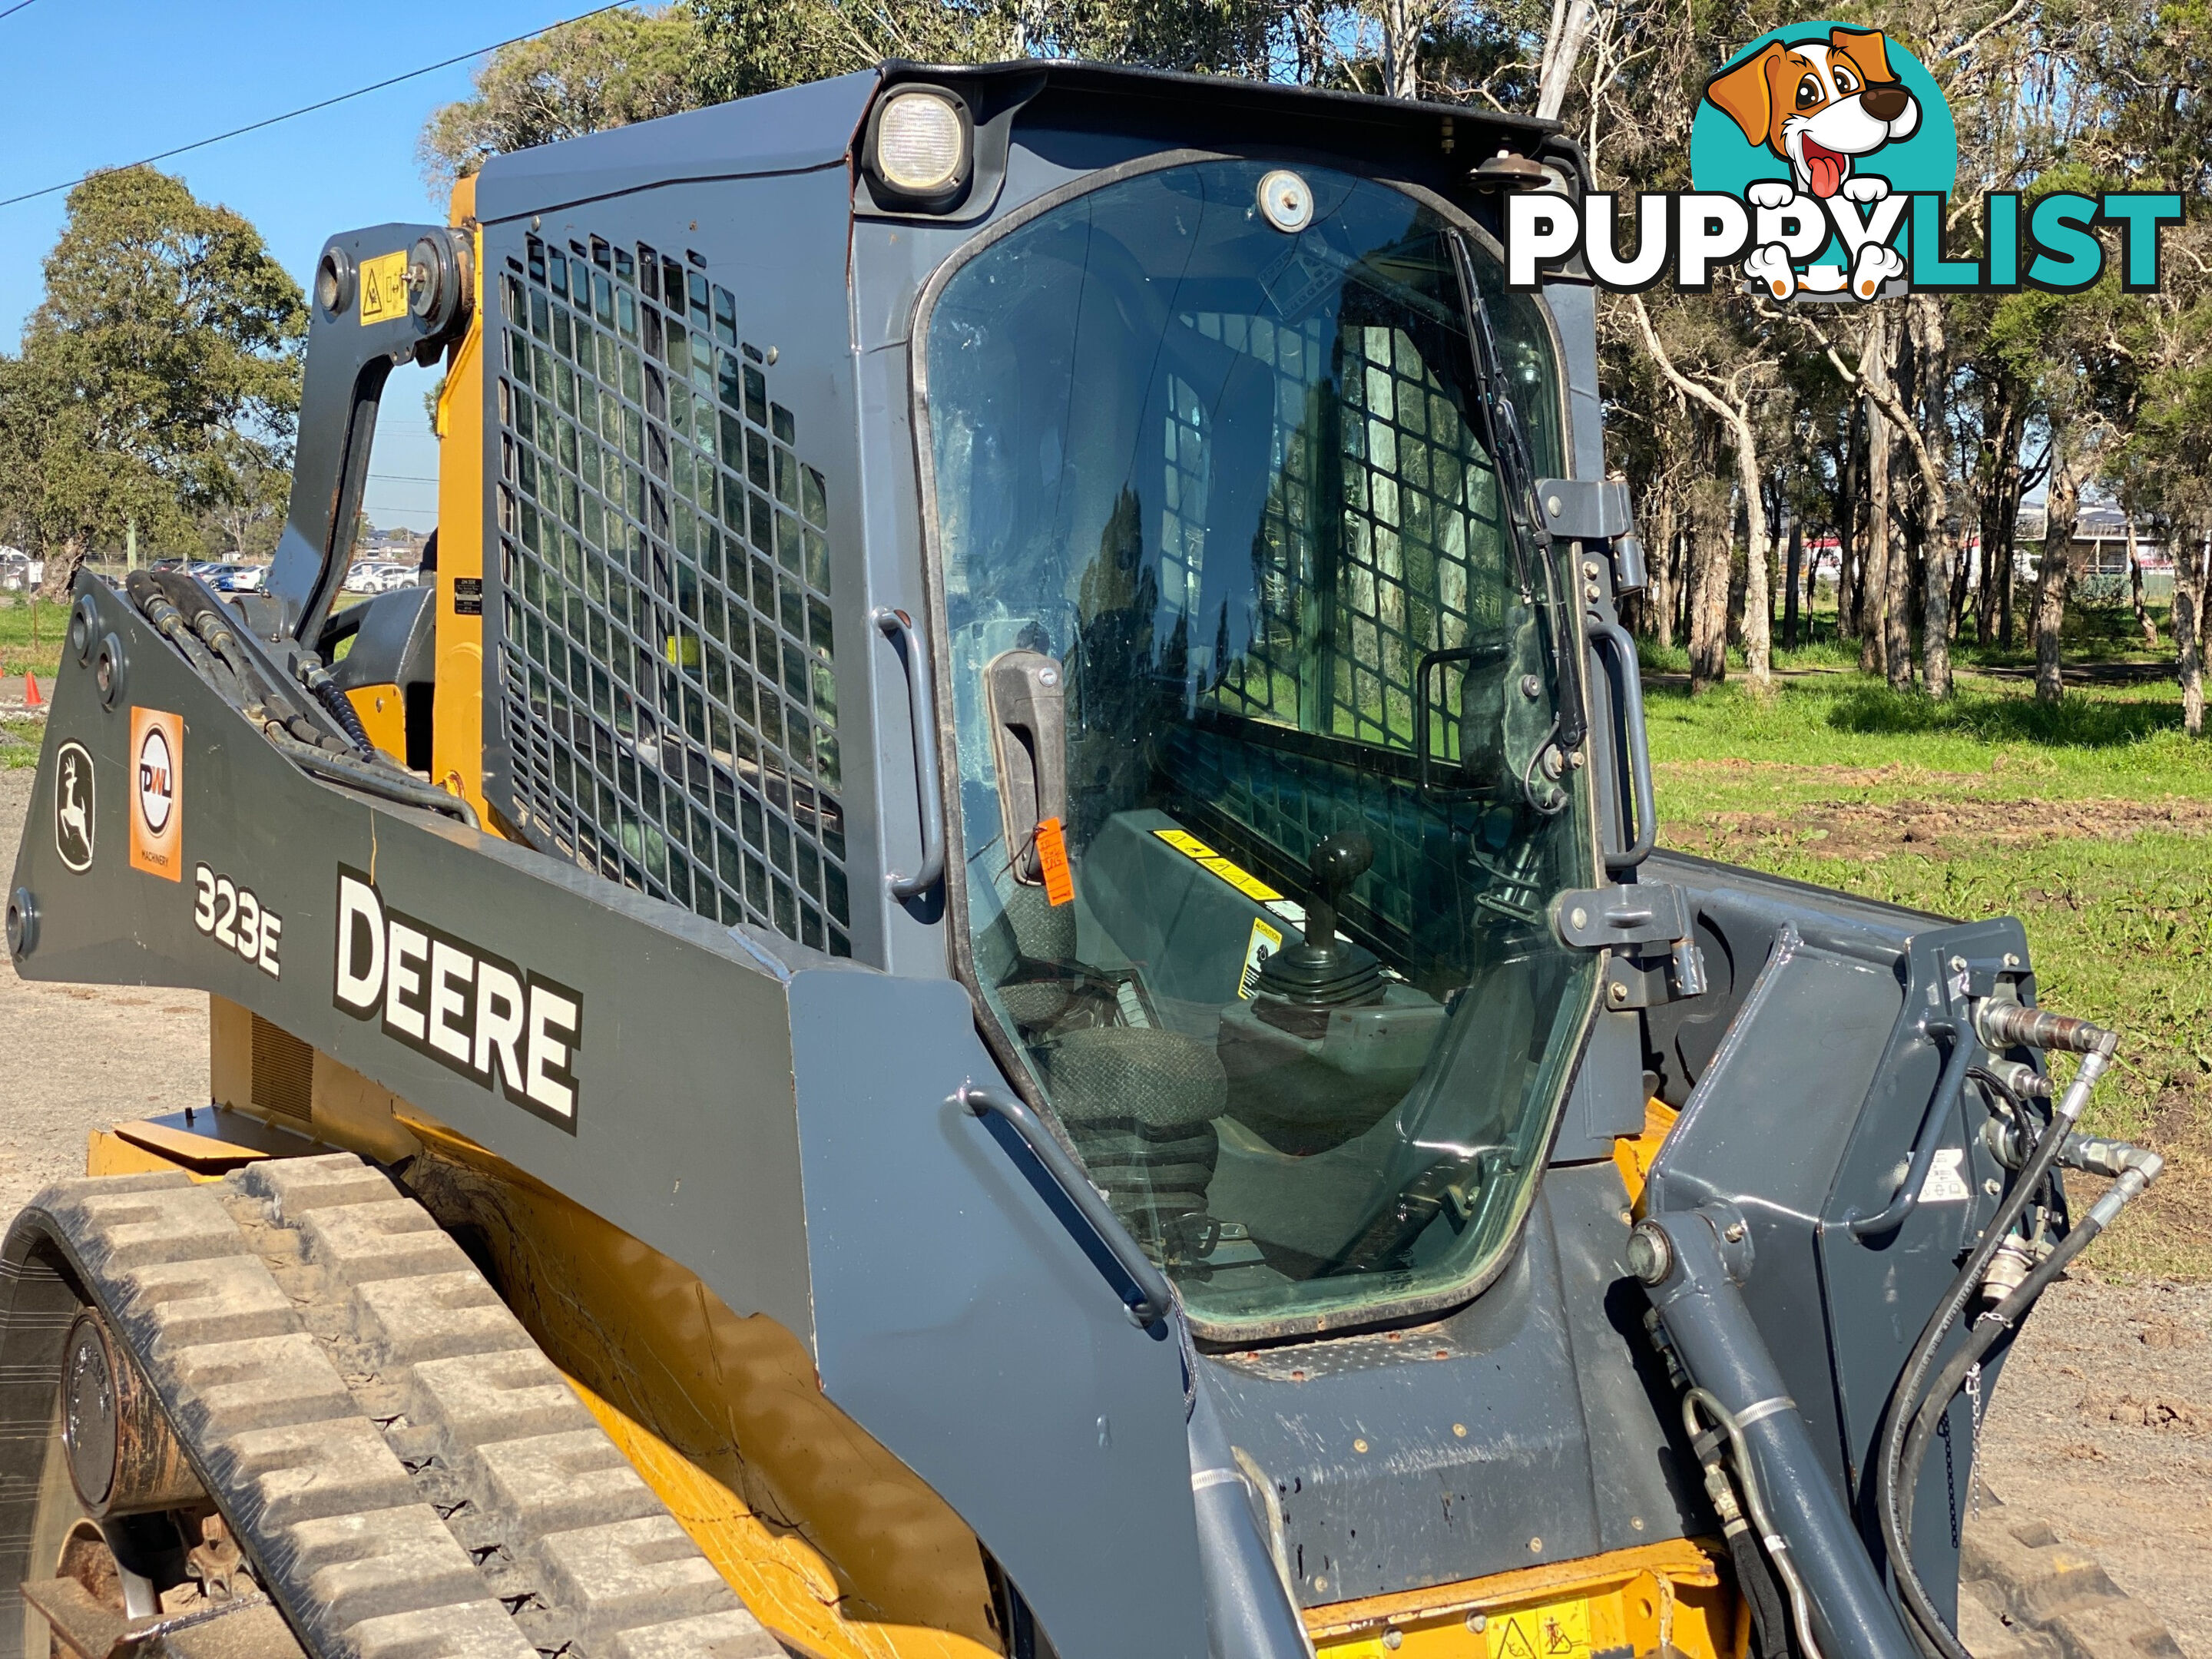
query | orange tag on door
[1052, 863]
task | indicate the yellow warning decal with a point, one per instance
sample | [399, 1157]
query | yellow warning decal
[1234, 874]
[1264, 943]
[1547, 1632]
[384, 287]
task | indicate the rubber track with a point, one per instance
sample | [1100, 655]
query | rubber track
[410, 1475]
[2044, 1599]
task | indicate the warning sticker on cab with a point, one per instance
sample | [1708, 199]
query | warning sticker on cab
[1264, 943]
[384, 287]
[1236, 875]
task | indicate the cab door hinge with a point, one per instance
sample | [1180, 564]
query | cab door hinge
[1633, 923]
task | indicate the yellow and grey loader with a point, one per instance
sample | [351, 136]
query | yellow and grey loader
[983, 972]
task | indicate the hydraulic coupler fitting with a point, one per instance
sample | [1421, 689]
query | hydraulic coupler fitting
[2009, 1024]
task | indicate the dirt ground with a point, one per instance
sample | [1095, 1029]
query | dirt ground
[2103, 1425]
[75, 1058]
[1961, 825]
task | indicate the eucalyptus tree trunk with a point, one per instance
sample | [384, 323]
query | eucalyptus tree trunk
[1874, 573]
[2135, 591]
[1931, 370]
[1847, 541]
[2192, 554]
[1709, 584]
[2054, 575]
[1401, 21]
[1759, 557]
[1663, 570]
[2009, 529]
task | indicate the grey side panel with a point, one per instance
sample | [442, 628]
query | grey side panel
[963, 1325]
[1765, 1130]
[1519, 1432]
[1574, 312]
[683, 1130]
[785, 131]
[1606, 1100]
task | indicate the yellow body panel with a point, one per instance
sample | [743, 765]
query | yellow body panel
[1633, 1158]
[835, 1544]
[457, 720]
[383, 714]
[1664, 1598]
[106, 1153]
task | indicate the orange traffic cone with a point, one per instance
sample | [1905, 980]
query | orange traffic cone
[33, 698]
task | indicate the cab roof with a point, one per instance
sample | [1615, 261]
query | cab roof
[801, 129]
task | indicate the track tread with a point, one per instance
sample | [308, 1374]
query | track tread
[412, 1477]
[2053, 1595]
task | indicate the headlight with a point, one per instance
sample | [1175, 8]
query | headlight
[920, 149]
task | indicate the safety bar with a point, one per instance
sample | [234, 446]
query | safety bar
[921, 707]
[1941, 1104]
[1158, 1295]
[1617, 645]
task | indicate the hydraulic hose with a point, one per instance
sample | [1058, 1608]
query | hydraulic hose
[2135, 1170]
[1777, 1546]
[2002, 1026]
[140, 587]
[328, 692]
[1692, 1263]
[380, 781]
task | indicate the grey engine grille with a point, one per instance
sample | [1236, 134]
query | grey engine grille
[666, 662]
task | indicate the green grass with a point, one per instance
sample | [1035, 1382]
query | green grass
[2091, 821]
[31, 636]
[20, 741]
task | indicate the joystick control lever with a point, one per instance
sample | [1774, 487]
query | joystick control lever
[1322, 968]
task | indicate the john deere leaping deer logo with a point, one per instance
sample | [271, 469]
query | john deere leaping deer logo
[1822, 157]
[73, 805]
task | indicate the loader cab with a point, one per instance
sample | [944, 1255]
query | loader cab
[1184, 436]
[1254, 668]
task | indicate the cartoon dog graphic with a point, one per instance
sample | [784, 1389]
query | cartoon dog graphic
[1820, 104]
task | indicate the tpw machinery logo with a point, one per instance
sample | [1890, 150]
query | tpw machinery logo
[1821, 160]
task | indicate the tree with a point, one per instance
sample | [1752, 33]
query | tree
[165, 354]
[605, 71]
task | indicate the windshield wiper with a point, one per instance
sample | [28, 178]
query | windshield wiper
[1508, 441]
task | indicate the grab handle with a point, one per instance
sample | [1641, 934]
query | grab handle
[922, 707]
[1949, 1085]
[1156, 1297]
[1617, 647]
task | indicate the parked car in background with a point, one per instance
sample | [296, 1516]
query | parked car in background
[19, 571]
[379, 576]
[236, 578]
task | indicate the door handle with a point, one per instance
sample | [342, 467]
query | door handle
[1156, 1297]
[1617, 649]
[921, 713]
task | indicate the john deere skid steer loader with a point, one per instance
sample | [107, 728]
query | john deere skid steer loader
[983, 972]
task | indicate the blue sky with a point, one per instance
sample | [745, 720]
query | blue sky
[89, 84]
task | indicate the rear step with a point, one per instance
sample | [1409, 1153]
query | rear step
[408, 1475]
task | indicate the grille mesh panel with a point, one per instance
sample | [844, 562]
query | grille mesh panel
[666, 667]
[283, 1071]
